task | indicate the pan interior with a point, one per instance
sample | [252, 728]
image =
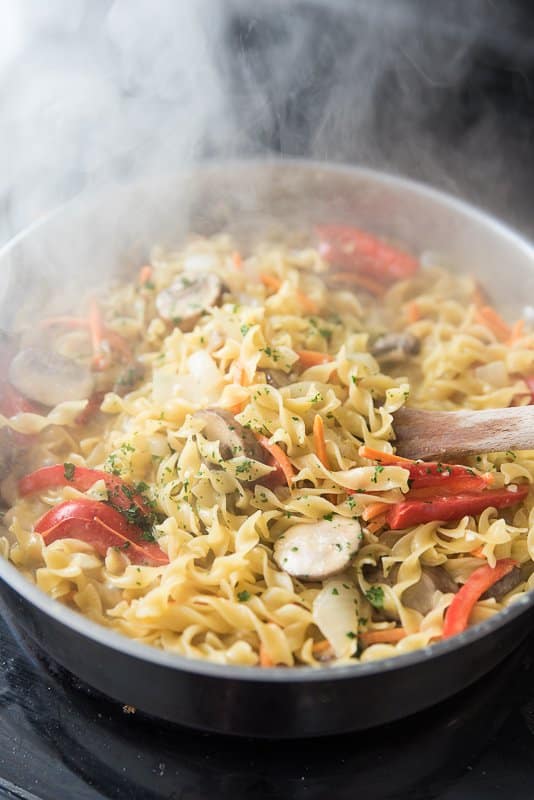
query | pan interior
[110, 232]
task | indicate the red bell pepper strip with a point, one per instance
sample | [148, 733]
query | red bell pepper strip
[451, 486]
[353, 249]
[448, 507]
[102, 527]
[459, 611]
[120, 494]
[90, 409]
[12, 402]
[439, 475]
[447, 477]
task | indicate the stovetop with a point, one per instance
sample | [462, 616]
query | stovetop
[60, 741]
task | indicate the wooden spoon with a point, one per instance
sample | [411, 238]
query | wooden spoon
[451, 435]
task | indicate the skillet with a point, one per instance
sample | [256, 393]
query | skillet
[109, 233]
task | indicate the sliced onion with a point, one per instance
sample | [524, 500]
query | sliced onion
[494, 374]
[201, 386]
[335, 612]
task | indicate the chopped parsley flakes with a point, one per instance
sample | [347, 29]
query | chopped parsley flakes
[68, 471]
[378, 470]
[375, 595]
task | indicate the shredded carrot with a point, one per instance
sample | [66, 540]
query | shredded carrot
[364, 282]
[377, 524]
[270, 281]
[517, 333]
[319, 441]
[237, 260]
[478, 553]
[67, 322]
[307, 303]
[90, 409]
[320, 449]
[265, 658]
[145, 273]
[320, 647]
[374, 510]
[274, 283]
[239, 374]
[312, 358]
[96, 329]
[237, 409]
[279, 456]
[384, 458]
[323, 650]
[413, 312]
[115, 340]
[386, 636]
[118, 343]
[487, 316]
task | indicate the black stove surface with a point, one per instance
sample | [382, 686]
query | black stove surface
[59, 741]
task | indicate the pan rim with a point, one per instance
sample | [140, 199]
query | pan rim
[165, 659]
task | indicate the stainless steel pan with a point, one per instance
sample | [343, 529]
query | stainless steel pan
[110, 233]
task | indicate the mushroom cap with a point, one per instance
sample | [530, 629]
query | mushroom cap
[313, 551]
[395, 347]
[234, 439]
[184, 301]
[48, 377]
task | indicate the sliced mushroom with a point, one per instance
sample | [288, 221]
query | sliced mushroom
[48, 377]
[394, 348]
[335, 612]
[8, 451]
[184, 301]
[420, 595]
[278, 378]
[128, 378]
[510, 581]
[234, 440]
[313, 551]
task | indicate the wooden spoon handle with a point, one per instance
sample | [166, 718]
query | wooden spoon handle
[451, 435]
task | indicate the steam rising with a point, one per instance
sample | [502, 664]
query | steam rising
[100, 91]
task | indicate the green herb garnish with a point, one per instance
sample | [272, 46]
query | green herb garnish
[375, 595]
[68, 471]
[378, 470]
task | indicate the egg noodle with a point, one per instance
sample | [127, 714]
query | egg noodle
[223, 596]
